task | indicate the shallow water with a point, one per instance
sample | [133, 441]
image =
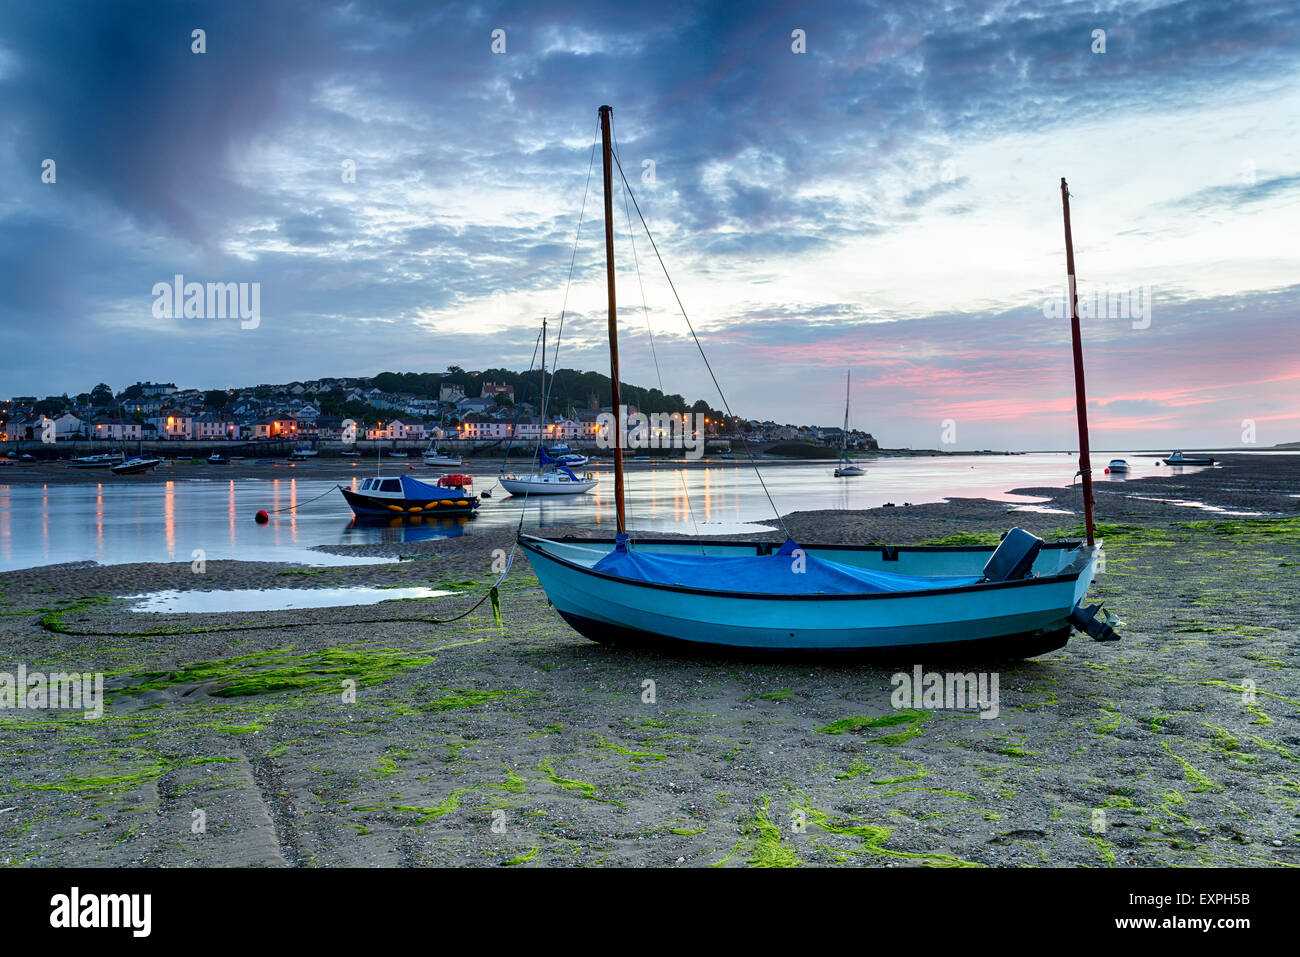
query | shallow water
[272, 599]
[187, 520]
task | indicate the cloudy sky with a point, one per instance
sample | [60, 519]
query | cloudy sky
[887, 201]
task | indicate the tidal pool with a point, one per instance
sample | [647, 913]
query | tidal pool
[272, 599]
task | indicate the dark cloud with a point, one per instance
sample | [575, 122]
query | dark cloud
[471, 166]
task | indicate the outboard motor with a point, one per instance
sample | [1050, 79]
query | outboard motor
[1014, 558]
[1086, 620]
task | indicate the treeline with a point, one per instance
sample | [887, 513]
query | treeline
[569, 388]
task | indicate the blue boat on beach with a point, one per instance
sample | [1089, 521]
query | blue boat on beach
[1020, 598]
[754, 595]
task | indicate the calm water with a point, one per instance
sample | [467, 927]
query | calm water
[114, 522]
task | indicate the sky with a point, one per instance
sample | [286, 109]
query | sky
[833, 187]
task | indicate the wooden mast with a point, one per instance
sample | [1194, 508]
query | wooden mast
[606, 155]
[541, 419]
[1080, 398]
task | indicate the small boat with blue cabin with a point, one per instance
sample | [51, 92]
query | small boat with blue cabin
[392, 496]
[562, 455]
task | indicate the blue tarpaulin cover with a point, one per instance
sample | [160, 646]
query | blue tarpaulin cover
[775, 574]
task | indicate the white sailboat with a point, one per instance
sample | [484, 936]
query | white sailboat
[436, 458]
[551, 477]
[846, 467]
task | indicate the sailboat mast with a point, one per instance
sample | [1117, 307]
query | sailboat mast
[845, 442]
[1076, 339]
[606, 155]
[541, 417]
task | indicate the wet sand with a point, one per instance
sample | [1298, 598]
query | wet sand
[523, 744]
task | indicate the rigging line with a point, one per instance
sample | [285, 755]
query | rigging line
[564, 306]
[537, 344]
[645, 311]
[514, 426]
[698, 345]
[586, 189]
[690, 509]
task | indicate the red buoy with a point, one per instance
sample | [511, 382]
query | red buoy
[261, 517]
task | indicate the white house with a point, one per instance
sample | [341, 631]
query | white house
[525, 430]
[66, 426]
[212, 425]
[115, 430]
[172, 424]
[397, 429]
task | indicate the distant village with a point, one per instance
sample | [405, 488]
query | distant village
[455, 405]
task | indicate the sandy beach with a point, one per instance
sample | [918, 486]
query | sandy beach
[517, 742]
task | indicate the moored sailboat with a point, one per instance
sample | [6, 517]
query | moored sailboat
[846, 468]
[99, 461]
[436, 458]
[553, 476]
[135, 465]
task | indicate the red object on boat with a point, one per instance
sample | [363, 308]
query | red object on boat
[455, 480]
[261, 517]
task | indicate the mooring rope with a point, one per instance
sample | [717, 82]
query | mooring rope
[296, 505]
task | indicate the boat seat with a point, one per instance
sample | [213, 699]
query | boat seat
[1014, 558]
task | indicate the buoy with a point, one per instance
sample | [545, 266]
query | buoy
[261, 517]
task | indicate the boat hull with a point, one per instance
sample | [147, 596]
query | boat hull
[522, 487]
[373, 506]
[131, 467]
[1019, 619]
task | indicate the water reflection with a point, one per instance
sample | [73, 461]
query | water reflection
[414, 528]
[165, 521]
